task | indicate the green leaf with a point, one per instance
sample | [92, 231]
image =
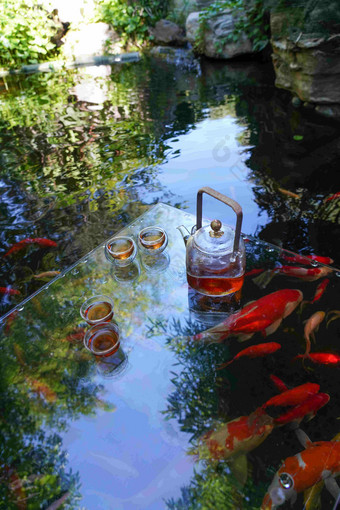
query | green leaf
[298, 137]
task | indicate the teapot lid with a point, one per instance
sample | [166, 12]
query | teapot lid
[211, 239]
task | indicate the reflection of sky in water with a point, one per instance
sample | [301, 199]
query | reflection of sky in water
[123, 466]
[210, 155]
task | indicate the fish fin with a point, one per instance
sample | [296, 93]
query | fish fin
[239, 468]
[273, 327]
[311, 497]
[244, 337]
[264, 279]
[331, 485]
[302, 437]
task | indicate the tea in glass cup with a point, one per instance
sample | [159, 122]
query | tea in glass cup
[121, 250]
[152, 240]
[97, 309]
[102, 339]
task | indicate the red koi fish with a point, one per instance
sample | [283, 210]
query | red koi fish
[320, 289]
[332, 197]
[301, 259]
[264, 315]
[307, 408]
[312, 325]
[280, 385]
[255, 351]
[319, 461]
[293, 396]
[9, 292]
[40, 241]
[322, 358]
[16, 487]
[236, 437]
[254, 271]
[9, 321]
[308, 275]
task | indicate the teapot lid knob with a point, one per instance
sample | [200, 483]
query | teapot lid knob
[216, 226]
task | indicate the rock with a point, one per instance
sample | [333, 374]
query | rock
[166, 32]
[181, 57]
[90, 39]
[214, 43]
[309, 65]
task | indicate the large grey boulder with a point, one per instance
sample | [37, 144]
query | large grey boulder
[215, 43]
[166, 32]
[308, 66]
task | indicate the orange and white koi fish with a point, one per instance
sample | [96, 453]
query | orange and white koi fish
[293, 396]
[40, 241]
[332, 197]
[8, 291]
[264, 315]
[301, 259]
[322, 358]
[236, 437]
[307, 408]
[319, 461]
[308, 275]
[47, 274]
[312, 324]
[255, 351]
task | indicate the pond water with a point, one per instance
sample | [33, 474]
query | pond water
[85, 152]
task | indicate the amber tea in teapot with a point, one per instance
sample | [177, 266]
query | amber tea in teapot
[215, 254]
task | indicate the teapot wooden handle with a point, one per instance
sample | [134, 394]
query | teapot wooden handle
[226, 200]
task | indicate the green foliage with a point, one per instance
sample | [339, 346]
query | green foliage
[132, 19]
[26, 32]
[250, 19]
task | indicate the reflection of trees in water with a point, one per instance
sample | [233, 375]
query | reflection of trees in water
[46, 380]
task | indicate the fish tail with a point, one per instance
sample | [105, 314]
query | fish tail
[220, 367]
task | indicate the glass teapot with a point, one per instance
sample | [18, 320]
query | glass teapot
[215, 254]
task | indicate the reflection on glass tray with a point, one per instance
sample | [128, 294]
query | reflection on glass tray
[192, 410]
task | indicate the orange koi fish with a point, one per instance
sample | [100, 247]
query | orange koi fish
[312, 324]
[307, 408]
[76, 336]
[301, 259]
[9, 291]
[47, 274]
[323, 358]
[236, 437]
[280, 385]
[255, 351]
[293, 396]
[332, 197]
[308, 275]
[264, 315]
[42, 389]
[319, 461]
[40, 241]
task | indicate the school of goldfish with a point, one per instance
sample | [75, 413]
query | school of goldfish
[318, 464]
